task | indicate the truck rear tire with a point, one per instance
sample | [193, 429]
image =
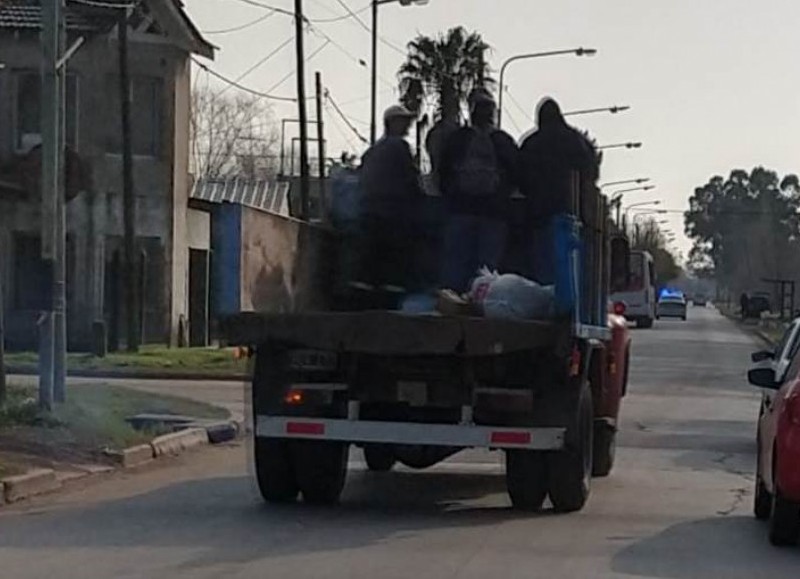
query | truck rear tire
[784, 523]
[570, 470]
[379, 457]
[604, 451]
[274, 471]
[526, 479]
[644, 323]
[321, 469]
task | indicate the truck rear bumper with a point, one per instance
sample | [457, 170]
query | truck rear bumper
[452, 435]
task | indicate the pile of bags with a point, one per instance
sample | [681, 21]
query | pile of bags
[492, 295]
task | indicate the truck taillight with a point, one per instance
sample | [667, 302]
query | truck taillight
[575, 363]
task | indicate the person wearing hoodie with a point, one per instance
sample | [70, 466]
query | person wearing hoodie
[549, 159]
[478, 174]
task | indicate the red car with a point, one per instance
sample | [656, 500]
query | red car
[777, 495]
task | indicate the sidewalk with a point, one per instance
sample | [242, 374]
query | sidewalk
[233, 396]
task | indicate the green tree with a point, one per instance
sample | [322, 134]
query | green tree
[745, 228]
[647, 236]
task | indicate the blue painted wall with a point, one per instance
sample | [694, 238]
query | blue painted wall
[226, 244]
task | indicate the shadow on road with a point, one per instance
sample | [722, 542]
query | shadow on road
[729, 547]
[224, 520]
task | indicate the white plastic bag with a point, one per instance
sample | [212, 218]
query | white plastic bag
[512, 297]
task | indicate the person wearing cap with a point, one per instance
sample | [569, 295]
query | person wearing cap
[392, 196]
[478, 176]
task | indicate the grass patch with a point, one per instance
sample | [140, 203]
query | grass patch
[92, 419]
[149, 358]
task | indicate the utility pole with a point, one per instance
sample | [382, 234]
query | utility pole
[50, 129]
[301, 109]
[321, 149]
[60, 266]
[373, 120]
[3, 392]
[128, 197]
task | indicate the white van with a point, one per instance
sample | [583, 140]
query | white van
[640, 296]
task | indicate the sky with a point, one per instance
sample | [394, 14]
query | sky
[712, 84]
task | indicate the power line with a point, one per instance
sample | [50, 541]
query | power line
[342, 133]
[521, 109]
[350, 125]
[241, 87]
[291, 73]
[268, 7]
[260, 62]
[242, 26]
[340, 18]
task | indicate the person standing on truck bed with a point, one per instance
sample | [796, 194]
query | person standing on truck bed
[393, 196]
[549, 157]
[478, 176]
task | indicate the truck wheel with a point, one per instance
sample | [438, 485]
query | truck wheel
[644, 323]
[784, 524]
[526, 479]
[604, 451]
[570, 470]
[274, 472]
[321, 468]
[379, 458]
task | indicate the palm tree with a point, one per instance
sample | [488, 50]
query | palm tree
[444, 69]
[439, 73]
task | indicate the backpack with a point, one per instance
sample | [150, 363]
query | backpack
[478, 173]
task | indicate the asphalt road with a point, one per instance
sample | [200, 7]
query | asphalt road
[677, 505]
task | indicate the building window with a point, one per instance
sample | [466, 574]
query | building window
[147, 105]
[28, 99]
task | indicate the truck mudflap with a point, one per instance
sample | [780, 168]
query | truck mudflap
[379, 432]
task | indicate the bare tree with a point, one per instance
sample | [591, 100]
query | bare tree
[232, 134]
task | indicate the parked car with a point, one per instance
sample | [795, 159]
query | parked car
[757, 303]
[671, 305]
[777, 493]
[700, 300]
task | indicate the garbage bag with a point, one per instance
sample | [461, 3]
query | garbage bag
[512, 297]
[419, 303]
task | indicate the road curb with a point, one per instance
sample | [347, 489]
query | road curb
[136, 374]
[34, 482]
[178, 442]
[133, 456]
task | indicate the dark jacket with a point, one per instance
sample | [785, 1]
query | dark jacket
[548, 158]
[454, 153]
[390, 179]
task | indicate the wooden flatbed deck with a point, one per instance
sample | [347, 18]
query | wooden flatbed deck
[393, 333]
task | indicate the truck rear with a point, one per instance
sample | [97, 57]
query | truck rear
[416, 389]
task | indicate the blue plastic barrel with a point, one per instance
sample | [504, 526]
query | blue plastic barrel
[566, 235]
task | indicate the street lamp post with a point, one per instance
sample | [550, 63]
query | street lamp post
[575, 51]
[373, 125]
[631, 145]
[634, 206]
[613, 110]
[625, 182]
[616, 198]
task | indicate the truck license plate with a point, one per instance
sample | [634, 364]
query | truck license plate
[414, 393]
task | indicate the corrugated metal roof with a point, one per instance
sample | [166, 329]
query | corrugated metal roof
[272, 196]
[27, 14]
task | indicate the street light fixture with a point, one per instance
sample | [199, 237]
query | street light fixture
[373, 125]
[616, 199]
[631, 145]
[575, 51]
[613, 110]
[625, 182]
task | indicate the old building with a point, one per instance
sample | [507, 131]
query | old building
[162, 42]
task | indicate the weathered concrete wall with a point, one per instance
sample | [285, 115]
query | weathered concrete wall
[286, 265]
[160, 181]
